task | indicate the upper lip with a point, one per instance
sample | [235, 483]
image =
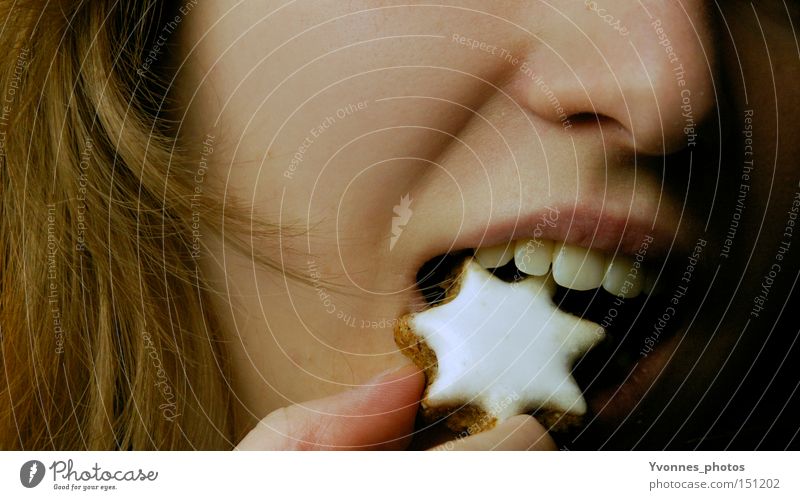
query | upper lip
[582, 226]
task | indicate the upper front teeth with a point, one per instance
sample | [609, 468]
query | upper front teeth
[577, 268]
[533, 256]
[496, 256]
[574, 267]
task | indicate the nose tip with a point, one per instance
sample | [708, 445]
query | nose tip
[656, 82]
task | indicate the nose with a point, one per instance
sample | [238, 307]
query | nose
[646, 65]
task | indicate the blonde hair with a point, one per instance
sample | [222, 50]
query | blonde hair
[106, 338]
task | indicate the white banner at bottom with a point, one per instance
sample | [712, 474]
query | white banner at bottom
[385, 475]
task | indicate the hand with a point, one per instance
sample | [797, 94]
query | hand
[378, 415]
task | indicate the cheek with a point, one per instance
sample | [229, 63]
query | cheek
[314, 95]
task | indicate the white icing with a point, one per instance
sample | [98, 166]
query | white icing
[505, 347]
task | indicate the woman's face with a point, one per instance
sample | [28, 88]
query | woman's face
[382, 134]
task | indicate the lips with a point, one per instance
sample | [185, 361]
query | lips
[606, 281]
[609, 230]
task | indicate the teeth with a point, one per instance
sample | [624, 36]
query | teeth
[577, 268]
[497, 256]
[620, 279]
[573, 267]
[533, 256]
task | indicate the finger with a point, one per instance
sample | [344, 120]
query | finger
[522, 432]
[377, 415]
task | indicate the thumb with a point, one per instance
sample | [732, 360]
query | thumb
[377, 415]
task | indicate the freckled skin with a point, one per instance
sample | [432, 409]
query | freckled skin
[329, 113]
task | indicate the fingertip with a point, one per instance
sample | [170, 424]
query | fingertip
[406, 371]
[378, 414]
[521, 432]
[404, 383]
[524, 429]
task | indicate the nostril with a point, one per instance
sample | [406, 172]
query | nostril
[610, 128]
[595, 121]
[587, 119]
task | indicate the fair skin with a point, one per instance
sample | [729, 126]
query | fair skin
[482, 149]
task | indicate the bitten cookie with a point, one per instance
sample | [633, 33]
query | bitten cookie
[491, 350]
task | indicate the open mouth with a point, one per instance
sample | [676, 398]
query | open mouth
[615, 291]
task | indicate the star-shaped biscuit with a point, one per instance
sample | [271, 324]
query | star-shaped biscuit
[498, 349]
